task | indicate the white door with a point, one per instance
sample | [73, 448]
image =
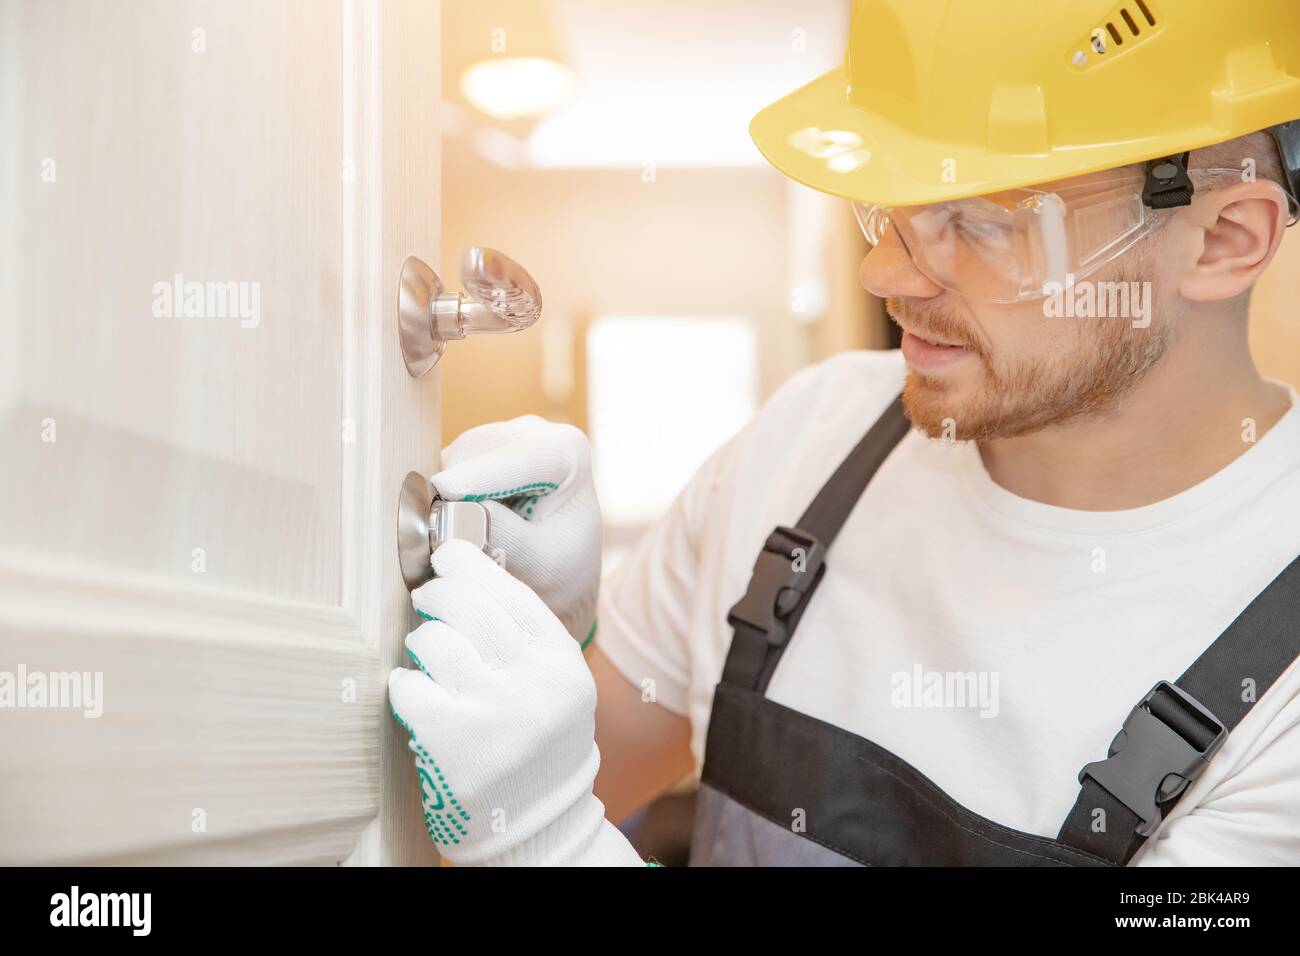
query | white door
[204, 424]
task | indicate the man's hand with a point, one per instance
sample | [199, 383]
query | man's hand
[534, 477]
[501, 717]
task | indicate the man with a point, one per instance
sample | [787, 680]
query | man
[1079, 557]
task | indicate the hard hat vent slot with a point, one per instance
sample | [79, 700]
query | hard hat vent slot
[1124, 28]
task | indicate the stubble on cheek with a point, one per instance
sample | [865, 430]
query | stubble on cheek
[947, 405]
[1079, 368]
[956, 408]
[994, 397]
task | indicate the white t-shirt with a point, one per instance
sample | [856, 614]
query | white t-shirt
[1074, 614]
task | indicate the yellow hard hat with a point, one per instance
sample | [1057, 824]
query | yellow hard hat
[944, 99]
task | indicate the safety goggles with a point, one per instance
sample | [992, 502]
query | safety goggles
[1018, 244]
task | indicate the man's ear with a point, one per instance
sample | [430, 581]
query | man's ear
[1237, 231]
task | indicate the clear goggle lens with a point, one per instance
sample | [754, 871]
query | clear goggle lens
[1017, 244]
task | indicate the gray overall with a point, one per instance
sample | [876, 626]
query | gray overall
[780, 788]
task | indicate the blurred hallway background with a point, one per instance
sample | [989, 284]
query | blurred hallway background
[684, 280]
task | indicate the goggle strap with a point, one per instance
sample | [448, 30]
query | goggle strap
[1167, 183]
[1287, 138]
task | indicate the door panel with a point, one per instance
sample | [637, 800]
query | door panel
[219, 165]
[204, 421]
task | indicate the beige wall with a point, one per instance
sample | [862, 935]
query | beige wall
[605, 242]
[1275, 314]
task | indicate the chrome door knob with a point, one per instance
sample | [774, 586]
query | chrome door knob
[424, 521]
[499, 296]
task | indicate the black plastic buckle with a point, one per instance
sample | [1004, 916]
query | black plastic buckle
[1167, 183]
[1150, 763]
[786, 569]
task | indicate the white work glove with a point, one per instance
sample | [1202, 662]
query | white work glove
[534, 477]
[501, 715]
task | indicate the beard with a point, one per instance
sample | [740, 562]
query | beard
[1018, 396]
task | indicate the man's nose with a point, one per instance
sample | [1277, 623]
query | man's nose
[888, 270]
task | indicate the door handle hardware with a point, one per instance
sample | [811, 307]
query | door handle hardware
[424, 521]
[500, 296]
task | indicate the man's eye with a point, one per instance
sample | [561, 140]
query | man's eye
[982, 231]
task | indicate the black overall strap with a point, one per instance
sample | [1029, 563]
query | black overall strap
[792, 561]
[1171, 735]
